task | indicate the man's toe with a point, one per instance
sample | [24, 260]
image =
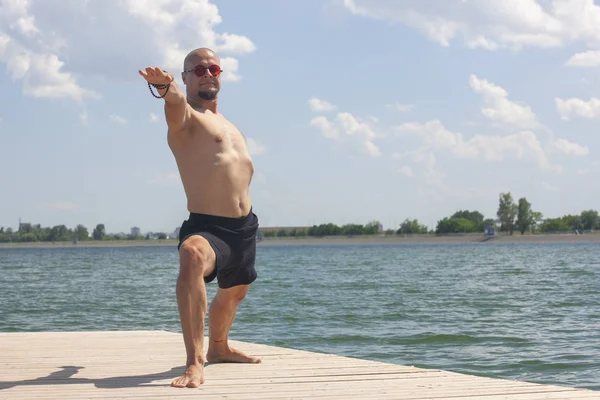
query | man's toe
[180, 382]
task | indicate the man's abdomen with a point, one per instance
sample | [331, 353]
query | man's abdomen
[221, 190]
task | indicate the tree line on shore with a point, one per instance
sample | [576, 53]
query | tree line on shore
[60, 233]
[510, 217]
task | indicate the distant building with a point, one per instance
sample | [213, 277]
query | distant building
[24, 226]
[135, 231]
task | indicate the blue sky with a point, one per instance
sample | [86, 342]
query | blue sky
[354, 110]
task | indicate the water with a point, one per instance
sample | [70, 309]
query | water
[529, 312]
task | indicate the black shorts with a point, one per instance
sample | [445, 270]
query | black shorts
[234, 243]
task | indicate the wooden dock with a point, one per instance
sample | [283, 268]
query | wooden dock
[142, 364]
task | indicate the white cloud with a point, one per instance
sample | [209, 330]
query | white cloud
[346, 128]
[573, 107]
[426, 161]
[42, 74]
[118, 119]
[591, 167]
[432, 175]
[255, 148]
[401, 107]
[499, 108]
[40, 69]
[329, 130]
[583, 171]
[230, 69]
[52, 46]
[491, 148]
[406, 171]
[585, 59]
[491, 24]
[230, 43]
[571, 148]
[320, 105]
[153, 117]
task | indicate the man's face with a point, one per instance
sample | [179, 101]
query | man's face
[202, 76]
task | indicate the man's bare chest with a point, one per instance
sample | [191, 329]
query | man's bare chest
[216, 144]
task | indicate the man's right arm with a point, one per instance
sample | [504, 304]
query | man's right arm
[177, 111]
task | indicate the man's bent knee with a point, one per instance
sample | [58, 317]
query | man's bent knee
[197, 258]
[234, 295]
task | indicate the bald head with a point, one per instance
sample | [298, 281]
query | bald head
[200, 76]
[198, 54]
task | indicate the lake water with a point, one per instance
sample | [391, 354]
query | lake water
[529, 312]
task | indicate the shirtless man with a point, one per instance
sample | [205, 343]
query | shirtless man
[218, 240]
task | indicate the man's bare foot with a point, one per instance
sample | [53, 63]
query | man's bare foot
[230, 355]
[193, 377]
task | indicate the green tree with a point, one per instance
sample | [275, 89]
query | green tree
[353, 229]
[554, 225]
[536, 219]
[328, 229]
[590, 219]
[81, 233]
[524, 217]
[455, 225]
[411, 226]
[507, 211]
[300, 232]
[99, 232]
[59, 233]
[43, 234]
[28, 237]
[372, 228]
[282, 233]
[474, 216]
[574, 222]
[296, 232]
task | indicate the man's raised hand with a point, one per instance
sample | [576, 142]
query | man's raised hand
[156, 76]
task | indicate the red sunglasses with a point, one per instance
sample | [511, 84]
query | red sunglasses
[200, 70]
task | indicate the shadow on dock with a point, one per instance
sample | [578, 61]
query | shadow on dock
[65, 377]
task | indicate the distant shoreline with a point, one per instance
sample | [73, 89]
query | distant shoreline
[340, 240]
[432, 239]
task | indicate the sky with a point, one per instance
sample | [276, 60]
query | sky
[353, 110]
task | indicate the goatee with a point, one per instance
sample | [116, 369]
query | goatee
[208, 95]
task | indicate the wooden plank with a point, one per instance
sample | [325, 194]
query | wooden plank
[142, 364]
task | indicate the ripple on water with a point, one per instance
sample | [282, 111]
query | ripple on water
[525, 312]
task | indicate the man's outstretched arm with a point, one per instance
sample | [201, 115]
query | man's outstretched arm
[177, 112]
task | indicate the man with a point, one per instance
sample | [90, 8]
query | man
[218, 240]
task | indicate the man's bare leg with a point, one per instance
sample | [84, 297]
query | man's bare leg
[220, 318]
[196, 261]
